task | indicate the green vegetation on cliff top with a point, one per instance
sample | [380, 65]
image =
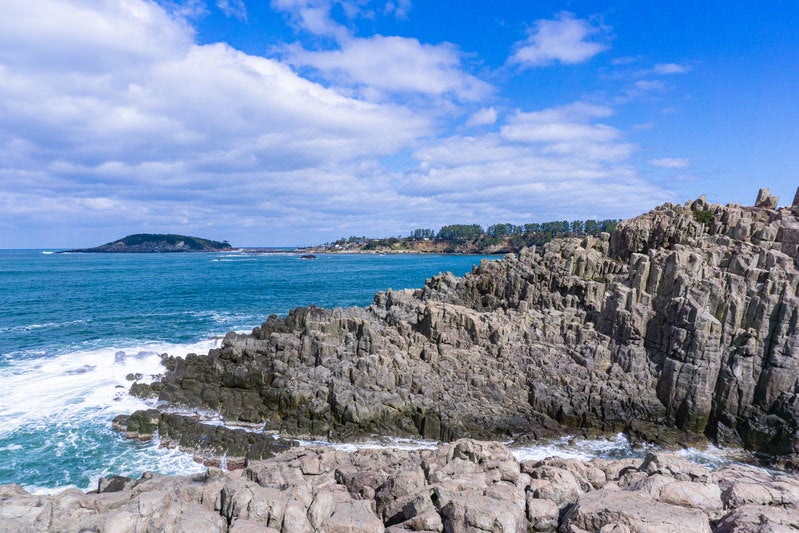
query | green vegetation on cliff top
[473, 238]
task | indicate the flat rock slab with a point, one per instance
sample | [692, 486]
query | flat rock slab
[639, 513]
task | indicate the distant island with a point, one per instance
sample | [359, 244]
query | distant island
[158, 243]
[468, 238]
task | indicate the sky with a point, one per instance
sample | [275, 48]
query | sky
[296, 122]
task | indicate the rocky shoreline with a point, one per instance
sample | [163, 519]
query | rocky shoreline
[465, 486]
[679, 328]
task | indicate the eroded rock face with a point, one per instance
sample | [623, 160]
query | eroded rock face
[467, 486]
[683, 322]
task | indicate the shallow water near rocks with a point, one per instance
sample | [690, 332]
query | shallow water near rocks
[74, 326]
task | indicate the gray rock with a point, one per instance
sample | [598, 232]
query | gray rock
[463, 486]
[679, 325]
[766, 200]
[602, 509]
[759, 519]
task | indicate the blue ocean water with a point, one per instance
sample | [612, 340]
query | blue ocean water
[73, 326]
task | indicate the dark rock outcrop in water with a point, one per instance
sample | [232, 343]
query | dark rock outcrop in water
[682, 323]
[158, 243]
[467, 486]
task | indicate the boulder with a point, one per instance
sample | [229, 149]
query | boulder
[759, 519]
[618, 509]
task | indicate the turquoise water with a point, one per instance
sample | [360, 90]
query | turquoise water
[73, 326]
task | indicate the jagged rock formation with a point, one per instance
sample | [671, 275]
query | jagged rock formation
[211, 445]
[466, 486]
[682, 322]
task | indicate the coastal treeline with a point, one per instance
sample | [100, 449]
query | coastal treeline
[513, 236]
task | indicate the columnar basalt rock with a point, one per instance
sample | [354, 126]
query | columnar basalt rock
[467, 485]
[683, 322]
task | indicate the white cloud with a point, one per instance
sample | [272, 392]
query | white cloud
[549, 164]
[570, 123]
[314, 16]
[186, 9]
[670, 162]
[649, 85]
[126, 124]
[670, 68]
[159, 121]
[496, 179]
[398, 8]
[564, 39]
[88, 37]
[395, 65]
[233, 8]
[482, 117]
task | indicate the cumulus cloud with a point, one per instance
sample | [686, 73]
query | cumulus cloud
[153, 117]
[564, 39]
[127, 124]
[482, 117]
[567, 131]
[670, 162]
[395, 65]
[377, 66]
[545, 164]
[493, 175]
[569, 123]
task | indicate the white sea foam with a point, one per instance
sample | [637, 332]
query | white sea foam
[713, 456]
[375, 443]
[32, 327]
[79, 385]
[149, 456]
[578, 448]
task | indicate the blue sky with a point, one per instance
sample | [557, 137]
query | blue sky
[290, 122]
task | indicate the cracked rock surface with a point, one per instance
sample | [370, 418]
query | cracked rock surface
[681, 324]
[465, 486]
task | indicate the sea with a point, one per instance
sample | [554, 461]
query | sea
[75, 328]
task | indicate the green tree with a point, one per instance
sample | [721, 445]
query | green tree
[460, 232]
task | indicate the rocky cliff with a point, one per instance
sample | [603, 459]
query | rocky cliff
[681, 323]
[466, 486]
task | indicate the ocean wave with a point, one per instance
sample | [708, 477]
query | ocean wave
[55, 416]
[80, 384]
[34, 327]
[146, 457]
[569, 447]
